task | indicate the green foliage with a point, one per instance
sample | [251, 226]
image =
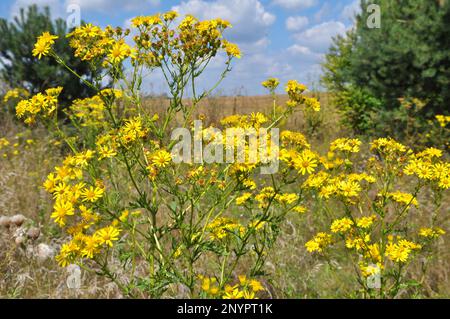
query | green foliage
[408, 56]
[370, 70]
[20, 69]
[360, 109]
[337, 62]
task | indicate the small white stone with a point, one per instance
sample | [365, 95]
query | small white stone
[44, 252]
[19, 232]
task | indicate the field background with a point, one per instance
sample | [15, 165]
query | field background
[294, 272]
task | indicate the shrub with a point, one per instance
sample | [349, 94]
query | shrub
[370, 70]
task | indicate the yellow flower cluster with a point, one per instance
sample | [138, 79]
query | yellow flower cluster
[345, 186]
[6, 150]
[305, 161]
[404, 198]
[390, 149]
[256, 225]
[161, 158]
[369, 269]
[443, 120]
[434, 232]
[222, 227]
[209, 285]
[427, 167]
[366, 222]
[401, 250]
[232, 49]
[91, 43]
[287, 198]
[106, 146]
[132, 131]
[75, 199]
[245, 288]
[271, 84]
[15, 94]
[295, 92]
[295, 138]
[345, 145]
[87, 246]
[265, 196]
[15, 145]
[357, 241]
[89, 111]
[336, 182]
[119, 51]
[254, 120]
[39, 104]
[3, 142]
[243, 198]
[345, 224]
[341, 225]
[44, 44]
[192, 40]
[319, 242]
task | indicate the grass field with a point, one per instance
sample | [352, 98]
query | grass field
[27, 270]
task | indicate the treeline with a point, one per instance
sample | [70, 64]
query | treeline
[393, 79]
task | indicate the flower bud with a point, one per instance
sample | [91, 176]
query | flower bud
[33, 233]
[18, 220]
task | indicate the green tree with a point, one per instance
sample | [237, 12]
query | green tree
[19, 67]
[356, 104]
[370, 69]
[409, 56]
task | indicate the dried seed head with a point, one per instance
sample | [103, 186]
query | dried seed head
[20, 240]
[5, 221]
[44, 251]
[18, 220]
[33, 233]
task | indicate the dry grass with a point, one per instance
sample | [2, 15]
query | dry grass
[218, 107]
[294, 272]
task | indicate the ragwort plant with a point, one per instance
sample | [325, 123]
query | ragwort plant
[370, 205]
[121, 197]
[170, 217]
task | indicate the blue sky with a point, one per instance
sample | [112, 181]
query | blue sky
[280, 38]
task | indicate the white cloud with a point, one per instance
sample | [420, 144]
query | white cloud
[318, 38]
[113, 5]
[351, 10]
[301, 55]
[295, 4]
[56, 8]
[299, 49]
[296, 23]
[326, 11]
[249, 18]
